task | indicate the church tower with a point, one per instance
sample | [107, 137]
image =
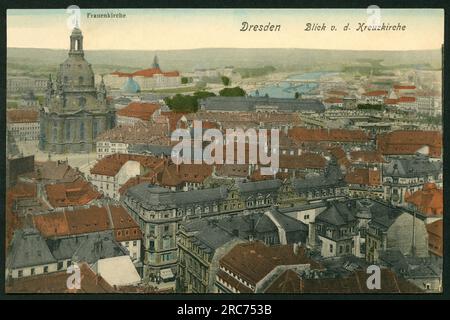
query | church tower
[155, 64]
[75, 110]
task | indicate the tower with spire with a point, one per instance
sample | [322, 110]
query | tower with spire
[75, 110]
[155, 64]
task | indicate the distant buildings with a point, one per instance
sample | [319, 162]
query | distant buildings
[23, 125]
[24, 84]
[259, 104]
[146, 79]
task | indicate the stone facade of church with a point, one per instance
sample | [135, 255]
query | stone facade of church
[75, 111]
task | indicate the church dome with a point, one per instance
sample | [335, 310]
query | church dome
[75, 72]
[131, 86]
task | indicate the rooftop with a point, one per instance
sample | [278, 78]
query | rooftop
[140, 110]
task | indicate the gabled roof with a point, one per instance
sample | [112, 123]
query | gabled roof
[28, 249]
[338, 214]
[254, 260]
[429, 200]
[56, 283]
[291, 282]
[140, 110]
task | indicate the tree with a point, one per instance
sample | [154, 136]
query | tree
[226, 81]
[203, 94]
[182, 103]
[184, 80]
[186, 103]
[232, 92]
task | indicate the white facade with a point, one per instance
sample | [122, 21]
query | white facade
[106, 148]
[20, 84]
[134, 248]
[110, 185]
[117, 271]
[24, 131]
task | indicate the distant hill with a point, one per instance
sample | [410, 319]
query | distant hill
[43, 60]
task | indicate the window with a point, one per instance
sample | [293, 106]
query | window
[20, 273]
[45, 269]
[60, 265]
[331, 248]
[33, 271]
[151, 245]
[134, 243]
[81, 130]
[166, 228]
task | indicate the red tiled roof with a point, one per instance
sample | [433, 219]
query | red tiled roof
[303, 161]
[291, 282]
[333, 100]
[409, 141]
[429, 200]
[174, 175]
[390, 101]
[126, 229]
[150, 177]
[56, 283]
[363, 176]
[376, 93]
[401, 87]
[121, 74]
[254, 260]
[148, 73]
[337, 93]
[300, 135]
[173, 118]
[22, 116]
[88, 220]
[406, 99]
[76, 193]
[366, 156]
[141, 110]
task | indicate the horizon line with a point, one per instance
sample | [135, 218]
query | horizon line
[228, 48]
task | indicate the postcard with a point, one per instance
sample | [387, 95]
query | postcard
[211, 151]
